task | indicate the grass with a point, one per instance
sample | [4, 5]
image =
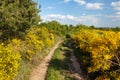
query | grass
[24, 70]
[58, 69]
[26, 66]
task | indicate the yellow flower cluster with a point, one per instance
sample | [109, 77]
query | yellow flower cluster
[101, 45]
[36, 39]
[9, 62]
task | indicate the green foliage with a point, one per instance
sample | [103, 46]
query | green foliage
[9, 62]
[16, 16]
[103, 48]
[30, 48]
[63, 30]
[57, 28]
[54, 75]
[23, 70]
[58, 68]
[54, 72]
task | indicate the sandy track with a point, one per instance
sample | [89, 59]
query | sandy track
[78, 74]
[39, 72]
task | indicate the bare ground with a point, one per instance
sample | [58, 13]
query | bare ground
[39, 72]
[77, 73]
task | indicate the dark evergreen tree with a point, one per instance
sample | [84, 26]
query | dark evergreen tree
[16, 16]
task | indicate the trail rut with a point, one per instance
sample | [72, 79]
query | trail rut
[77, 72]
[39, 72]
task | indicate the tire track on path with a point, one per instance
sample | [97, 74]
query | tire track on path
[39, 72]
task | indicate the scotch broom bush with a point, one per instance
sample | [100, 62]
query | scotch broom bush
[9, 62]
[103, 47]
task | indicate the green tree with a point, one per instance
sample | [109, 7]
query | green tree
[16, 16]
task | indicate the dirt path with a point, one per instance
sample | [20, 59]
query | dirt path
[39, 73]
[77, 73]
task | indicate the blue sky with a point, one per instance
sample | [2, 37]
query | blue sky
[101, 13]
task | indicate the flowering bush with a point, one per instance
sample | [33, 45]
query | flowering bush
[9, 62]
[103, 47]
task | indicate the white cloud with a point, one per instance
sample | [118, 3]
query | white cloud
[91, 6]
[118, 13]
[81, 2]
[116, 5]
[114, 17]
[84, 19]
[67, 0]
[95, 20]
[94, 6]
[50, 7]
[58, 17]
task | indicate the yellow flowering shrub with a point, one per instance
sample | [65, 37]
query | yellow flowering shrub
[9, 62]
[46, 36]
[102, 46]
[103, 77]
[36, 39]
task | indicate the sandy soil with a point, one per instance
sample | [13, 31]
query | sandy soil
[77, 72]
[39, 72]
